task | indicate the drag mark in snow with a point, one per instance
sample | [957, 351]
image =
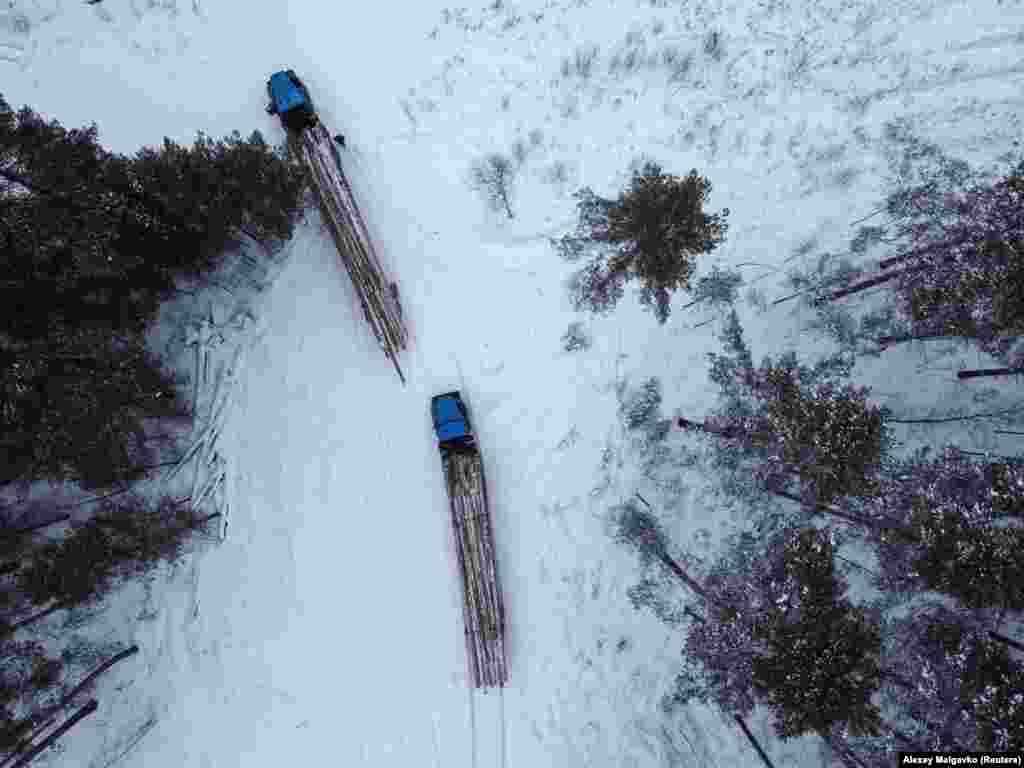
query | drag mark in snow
[436, 733]
[504, 728]
[472, 724]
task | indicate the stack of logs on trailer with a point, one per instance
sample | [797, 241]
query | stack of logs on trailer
[377, 295]
[483, 610]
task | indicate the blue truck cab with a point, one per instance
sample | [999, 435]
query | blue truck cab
[451, 422]
[290, 100]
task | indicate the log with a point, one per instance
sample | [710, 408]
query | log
[483, 614]
[66, 726]
[355, 247]
[974, 374]
[67, 699]
[35, 617]
[753, 741]
[16, 532]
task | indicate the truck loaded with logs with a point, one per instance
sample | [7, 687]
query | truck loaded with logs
[482, 608]
[309, 140]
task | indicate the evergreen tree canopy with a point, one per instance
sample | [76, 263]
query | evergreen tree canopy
[968, 692]
[970, 280]
[74, 406]
[822, 662]
[27, 676]
[955, 506]
[780, 630]
[93, 239]
[123, 540]
[795, 420]
[651, 233]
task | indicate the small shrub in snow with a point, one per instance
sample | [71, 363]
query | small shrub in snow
[640, 410]
[804, 247]
[492, 177]
[639, 530]
[557, 173]
[581, 64]
[576, 338]
[660, 598]
[679, 64]
[570, 439]
[866, 237]
[717, 288]
[519, 152]
[631, 60]
[756, 299]
[713, 45]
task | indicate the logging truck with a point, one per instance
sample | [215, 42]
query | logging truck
[482, 607]
[310, 141]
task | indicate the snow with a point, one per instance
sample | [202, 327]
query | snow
[326, 626]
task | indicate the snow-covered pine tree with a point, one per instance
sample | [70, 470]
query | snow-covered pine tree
[790, 422]
[967, 689]
[965, 518]
[75, 405]
[650, 234]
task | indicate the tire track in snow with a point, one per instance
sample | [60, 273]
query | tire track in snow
[436, 735]
[472, 724]
[504, 728]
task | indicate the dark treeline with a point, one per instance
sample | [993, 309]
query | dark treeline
[91, 243]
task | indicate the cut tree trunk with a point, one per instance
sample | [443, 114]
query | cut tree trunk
[887, 341]
[894, 526]
[753, 741]
[52, 715]
[864, 285]
[66, 726]
[34, 618]
[683, 576]
[696, 426]
[950, 419]
[891, 262]
[979, 373]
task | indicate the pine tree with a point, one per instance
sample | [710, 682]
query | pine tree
[821, 664]
[651, 234]
[967, 689]
[959, 272]
[74, 407]
[779, 630]
[793, 421]
[124, 540]
[93, 239]
[972, 285]
[956, 508]
[28, 677]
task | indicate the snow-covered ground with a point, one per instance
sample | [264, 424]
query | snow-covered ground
[326, 628]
